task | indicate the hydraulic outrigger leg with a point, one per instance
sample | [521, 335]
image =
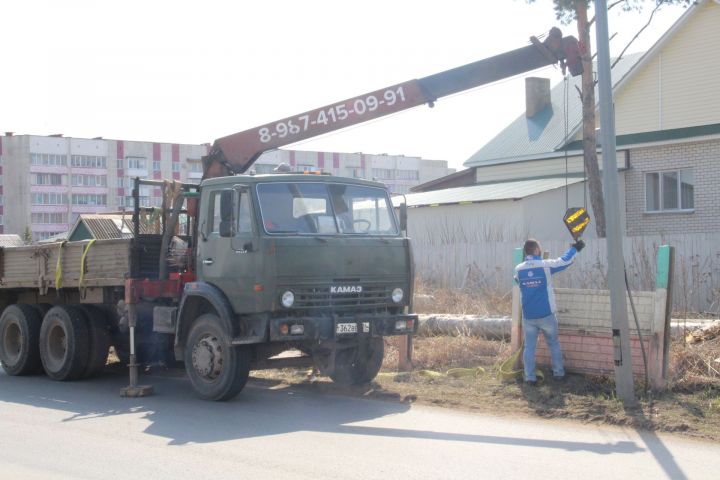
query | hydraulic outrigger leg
[134, 390]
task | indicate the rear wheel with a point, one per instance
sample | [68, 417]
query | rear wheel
[359, 364]
[64, 343]
[217, 370]
[19, 340]
[42, 308]
[99, 335]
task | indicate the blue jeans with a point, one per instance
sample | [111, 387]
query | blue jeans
[531, 328]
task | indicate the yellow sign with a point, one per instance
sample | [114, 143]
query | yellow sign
[576, 220]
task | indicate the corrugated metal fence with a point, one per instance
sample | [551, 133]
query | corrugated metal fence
[488, 265]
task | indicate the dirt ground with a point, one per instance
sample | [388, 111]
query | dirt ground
[691, 407]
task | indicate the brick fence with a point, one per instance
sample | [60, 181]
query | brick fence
[585, 326]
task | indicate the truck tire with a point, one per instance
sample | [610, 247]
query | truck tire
[42, 308]
[19, 340]
[99, 340]
[353, 368]
[217, 370]
[64, 343]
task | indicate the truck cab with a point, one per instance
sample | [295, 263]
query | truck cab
[313, 263]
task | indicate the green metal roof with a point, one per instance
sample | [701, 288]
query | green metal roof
[545, 132]
[515, 190]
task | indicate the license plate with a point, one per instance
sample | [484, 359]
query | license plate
[346, 328]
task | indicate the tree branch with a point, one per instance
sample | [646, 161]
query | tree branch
[617, 2]
[652, 14]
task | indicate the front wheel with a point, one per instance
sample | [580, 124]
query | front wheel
[217, 370]
[359, 364]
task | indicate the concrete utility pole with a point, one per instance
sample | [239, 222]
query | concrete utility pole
[616, 264]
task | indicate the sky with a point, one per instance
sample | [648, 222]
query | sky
[192, 71]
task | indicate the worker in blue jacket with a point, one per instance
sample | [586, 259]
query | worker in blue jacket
[534, 276]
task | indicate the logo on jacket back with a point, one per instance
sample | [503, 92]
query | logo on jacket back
[346, 289]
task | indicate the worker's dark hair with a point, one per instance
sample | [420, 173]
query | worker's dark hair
[530, 245]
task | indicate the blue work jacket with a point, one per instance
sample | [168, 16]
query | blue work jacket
[534, 276]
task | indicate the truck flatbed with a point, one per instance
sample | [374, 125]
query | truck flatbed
[106, 264]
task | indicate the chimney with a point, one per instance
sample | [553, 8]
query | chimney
[537, 95]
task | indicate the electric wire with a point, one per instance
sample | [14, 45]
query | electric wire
[565, 138]
[637, 327]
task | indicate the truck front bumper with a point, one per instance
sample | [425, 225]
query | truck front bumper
[285, 329]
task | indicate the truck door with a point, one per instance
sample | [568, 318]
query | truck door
[245, 249]
[226, 250]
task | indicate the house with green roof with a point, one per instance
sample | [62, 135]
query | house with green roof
[667, 114]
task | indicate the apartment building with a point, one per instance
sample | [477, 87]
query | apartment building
[54, 178]
[398, 172]
[47, 181]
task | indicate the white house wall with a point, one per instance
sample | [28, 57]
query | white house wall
[449, 224]
[678, 87]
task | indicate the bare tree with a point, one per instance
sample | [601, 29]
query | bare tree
[577, 10]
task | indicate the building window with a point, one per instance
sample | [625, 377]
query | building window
[195, 166]
[156, 166]
[88, 161]
[120, 182]
[49, 198]
[47, 179]
[89, 181]
[407, 175]
[176, 167]
[136, 163]
[305, 168]
[89, 199]
[143, 201]
[383, 173]
[49, 217]
[1, 220]
[48, 159]
[670, 191]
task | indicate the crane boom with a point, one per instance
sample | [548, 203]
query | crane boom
[237, 152]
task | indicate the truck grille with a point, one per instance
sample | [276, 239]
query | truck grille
[372, 296]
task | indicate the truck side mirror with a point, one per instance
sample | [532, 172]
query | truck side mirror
[403, 217]
[226, 213]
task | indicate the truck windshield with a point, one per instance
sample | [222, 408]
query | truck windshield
[325, 209]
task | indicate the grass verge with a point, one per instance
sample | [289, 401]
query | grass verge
[691, 407]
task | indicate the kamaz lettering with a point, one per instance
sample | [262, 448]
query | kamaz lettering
[346, 289]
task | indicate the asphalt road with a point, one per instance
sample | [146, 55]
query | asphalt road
[84, 430]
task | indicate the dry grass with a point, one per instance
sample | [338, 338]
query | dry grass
[691, 406]
[582, 398]
[485, 300]
[694, 367]
[442, 353]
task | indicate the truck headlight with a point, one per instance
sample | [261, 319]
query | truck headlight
[397, 295]
[288, 298]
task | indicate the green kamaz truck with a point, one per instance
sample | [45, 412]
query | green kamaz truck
[242, 267]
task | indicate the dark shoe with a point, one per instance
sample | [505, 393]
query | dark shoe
[531, 383]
